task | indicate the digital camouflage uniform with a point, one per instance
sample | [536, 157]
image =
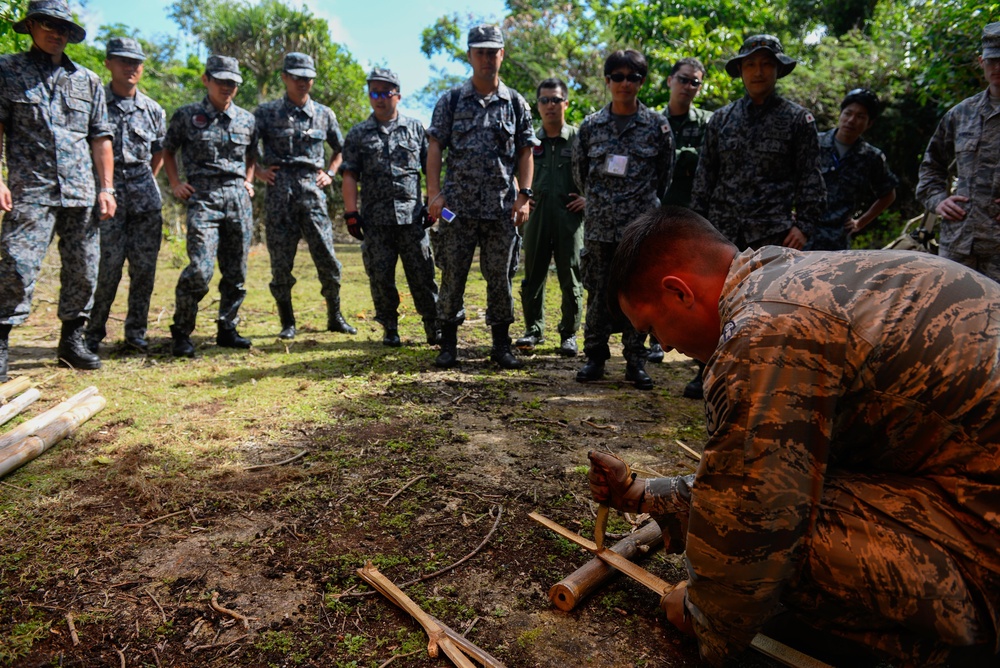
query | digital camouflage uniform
[612, 203]
[689, 133]
[758, 165]
[482, 137]
[135, 231]
[969, 134]
[50, 115]
[214, 147]
[553, 230]
[852, 471]
[292, 139]
[852, 182]
[387, 161]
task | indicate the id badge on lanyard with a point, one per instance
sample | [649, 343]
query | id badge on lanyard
[616, 165]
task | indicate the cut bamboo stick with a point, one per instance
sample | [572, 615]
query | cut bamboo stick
[576, 586]
[30, 427]
[13, 387]
[12, 408]
[57, 429]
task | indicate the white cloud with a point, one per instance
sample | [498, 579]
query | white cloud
[338, 33]
[91, 17]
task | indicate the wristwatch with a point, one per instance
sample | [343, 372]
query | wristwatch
[528, 192]
[332, 174]
[109, 191]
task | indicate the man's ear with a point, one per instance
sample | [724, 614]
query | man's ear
[677, 289]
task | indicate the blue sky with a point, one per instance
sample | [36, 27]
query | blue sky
[375, 31]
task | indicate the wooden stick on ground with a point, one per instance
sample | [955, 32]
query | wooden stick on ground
[242, 619]
[31, 427]
[257, 467]
[45, 437]
[13, 387]
[12, 408]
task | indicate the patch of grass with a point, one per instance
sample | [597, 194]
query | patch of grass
[528, 638]
[19, 641]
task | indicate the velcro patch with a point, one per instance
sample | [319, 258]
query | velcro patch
[200, 121]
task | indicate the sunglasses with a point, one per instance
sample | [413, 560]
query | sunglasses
[688, 81]
[377, 95]
[631, 77]
[57, 27]
[299, 79]
[551, 100]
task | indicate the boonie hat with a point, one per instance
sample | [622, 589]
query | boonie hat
[383, 74]
[757, 43]
[124, 47]
[300, 65]
[991, 40]
[54, 9]
[224, 68]
[485, 37]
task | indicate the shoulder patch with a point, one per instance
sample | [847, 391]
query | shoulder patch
[538, 151]
[728, 330]
[810, 118]
[200, 121]
[665, 128]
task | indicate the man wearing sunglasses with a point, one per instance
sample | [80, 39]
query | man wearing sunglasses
[969, 136]
[758, 177]
[54, 118]
[218, 141]
[292, 131]
[385, 155]
[623, 159]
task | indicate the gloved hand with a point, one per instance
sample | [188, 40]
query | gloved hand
[612, 482]
[354, 225]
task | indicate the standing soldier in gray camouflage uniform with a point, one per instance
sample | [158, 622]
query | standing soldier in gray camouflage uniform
[852, 471]
[486, 128]
[53, 116]
[386, 154]
[293, 130]
[135, 231]
[969, 135]
[623, 159]
[219, 144]
[758, 177]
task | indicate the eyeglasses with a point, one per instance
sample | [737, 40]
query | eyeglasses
[58, 27]
[694, 83]
[551, 100]
[631, 77]
[378, 95]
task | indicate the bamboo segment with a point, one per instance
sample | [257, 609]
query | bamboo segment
[30, 427]
[13, 387]
[576, 586]
[57, 429]
[12, 408]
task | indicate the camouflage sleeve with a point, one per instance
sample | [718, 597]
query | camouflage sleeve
[810, 189]
[174, 138]
[159, 118]
[99, 124]
[770, 393]
[882, 180]
[351, 153]
[334, 137]
[580, 164]
[6, 104]
[441, 120]
[707, 172]
[524, 134]
[932, 185]
[423, 149]
[668, 501]
[666, 159]
[253, 150]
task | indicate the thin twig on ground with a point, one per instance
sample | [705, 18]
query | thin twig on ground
[121, 656]
[162, 613]
[692, 453]
[72, 629]
[400, 656]
[403, 489]
[199, 648]
[7, 484]
[163, 517]
[243, 619]
[590, 423]
[281, 463]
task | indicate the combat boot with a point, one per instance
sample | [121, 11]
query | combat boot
[635, 372]
[335, 320]
[501, 352]
[432, 331]
[72, 351]
[4, 349]
[391, 338]
[182, 346]
[448, 357]
[287, 316]
[228, 337]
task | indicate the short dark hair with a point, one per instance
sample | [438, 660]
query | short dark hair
[553, 82]
[693, 62]
[667, 235]
[629, 58]
[866, 98]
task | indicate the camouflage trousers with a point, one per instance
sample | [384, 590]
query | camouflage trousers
[499, 250]
[219, 224]
[889, 565]
[24, 239]
[296, 209]
[382, 247]
[132, 236]
[599, 325]
[543, 239]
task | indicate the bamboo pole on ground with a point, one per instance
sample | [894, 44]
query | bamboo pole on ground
[31, 427]
[57, 429]
[12, 408]
[12, 387]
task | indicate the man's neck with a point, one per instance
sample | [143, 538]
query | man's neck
[391, 117]
[553, 128]
[122, 90]
[994, 90]
[625, 108]
[485, 86]
[678, 108]
[838, 135]
[762, 98]
[56, 58]
[298, 101]
[217, 107]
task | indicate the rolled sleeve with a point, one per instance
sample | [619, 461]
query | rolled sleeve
[100, 125]
[441, 120]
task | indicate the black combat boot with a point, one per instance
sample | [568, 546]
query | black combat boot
[182, 346]
[694, 389]
[228, 337]
[432, 331]
[501, 352]
[635, 372]
[72, 351]
[287, 316]
[391, 338]
[4, 348]
[448, 357]
[335, 320]
[592, 370]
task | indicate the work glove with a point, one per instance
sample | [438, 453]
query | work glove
[354, 225]
[612, 482]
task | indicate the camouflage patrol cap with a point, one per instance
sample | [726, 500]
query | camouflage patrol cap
[485, 37]
[124, 47]
[53, 9]
[991, 40]
[383, 74]
[224, 68]
[761, 43]
[299, 65]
